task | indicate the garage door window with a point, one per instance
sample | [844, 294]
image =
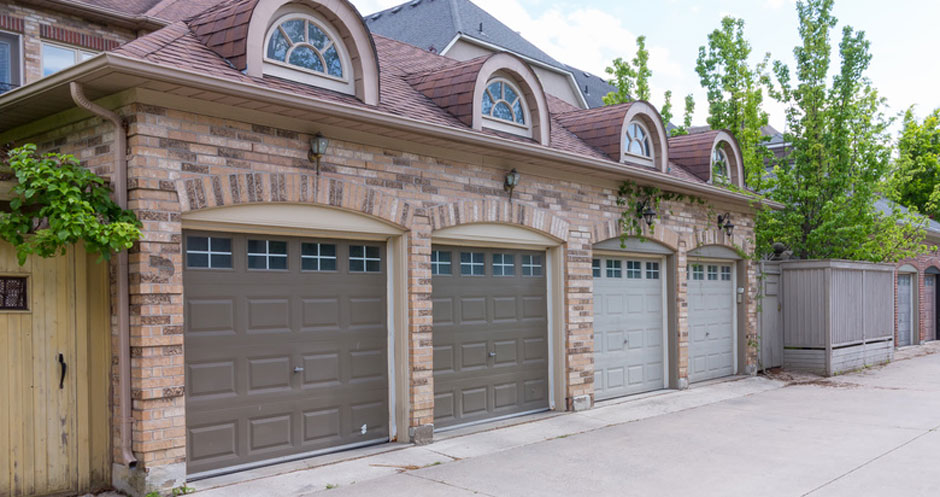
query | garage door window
[208, 252]
[532, 265]
[440, 263]
[364, 259]
[695, 272]
[318, 257]
[614, 269]
[13, 293]
[652, 270]
[712, 273]
[596, 267]
[634, 270]
[471, 264]
[725, 273]
[504, 265]
[267, 255]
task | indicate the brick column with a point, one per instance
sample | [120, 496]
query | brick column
[421, 356]
[579, 322]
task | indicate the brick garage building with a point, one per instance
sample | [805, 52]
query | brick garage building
[217, 120]
[915, 294]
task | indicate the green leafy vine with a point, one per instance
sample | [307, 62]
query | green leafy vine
[639, 200]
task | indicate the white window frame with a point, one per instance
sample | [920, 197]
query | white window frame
[498, 124]
[285, 70]
[634, 270]
[613, 267]
[529, 263]
[502, 265]
[267, 255]
[319, 257]
[726, 177]
[209, 252]
[473, 263]
[365, 259]
[80, 55]
[437, 264]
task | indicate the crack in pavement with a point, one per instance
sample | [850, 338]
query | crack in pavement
[450, 485]
[866, 463]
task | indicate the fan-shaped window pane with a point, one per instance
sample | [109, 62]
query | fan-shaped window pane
[638, 142]
[306, 57]
[487, 104]
[317, 37]
[277, 47]
[333, 65]
[502, 111]
[517, 108]
[510, 94]
[496, 89]
[294, 29]
[302, 43]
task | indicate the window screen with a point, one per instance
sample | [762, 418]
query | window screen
[13, 293]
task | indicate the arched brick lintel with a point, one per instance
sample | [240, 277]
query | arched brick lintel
[498, 211]
[611, 228]
[210, 192]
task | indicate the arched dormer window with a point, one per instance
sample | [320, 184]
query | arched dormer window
[637, 141]
[302, 47]
[504, 108]
[720, 166]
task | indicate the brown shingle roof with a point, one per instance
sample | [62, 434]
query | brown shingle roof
[694, 152]
[166, 10]
[414, 83]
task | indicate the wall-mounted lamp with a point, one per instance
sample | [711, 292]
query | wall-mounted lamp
[649, 215]
[512, 179]
[318, 146]
[724, 222]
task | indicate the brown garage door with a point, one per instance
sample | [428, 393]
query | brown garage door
[490, 333]
[285, 348]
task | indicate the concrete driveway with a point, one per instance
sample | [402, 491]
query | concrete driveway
[869, 433]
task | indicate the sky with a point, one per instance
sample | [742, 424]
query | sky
[589, 34]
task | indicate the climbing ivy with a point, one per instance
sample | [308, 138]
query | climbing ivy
[634, 198]
[57, 203]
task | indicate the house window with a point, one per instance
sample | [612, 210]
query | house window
[634, 270]
[13, 293]
[719, 164]
[471, 264]
[58, 57]
[208, 252]
[596, 267]
[304, 43]
[638, 141]
[317, 257]
[267, 254]
[440, 262]
[504, 109]
[9, 62]
[725, 273]
[532, 265]
[712, 273]
[364, 259]
[614, 269]
[652, 270]
[504, 265]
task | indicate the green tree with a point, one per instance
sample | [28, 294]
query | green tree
[915, 179]
[632, 82]
[57, 203]
[839, 154]
[735, 92]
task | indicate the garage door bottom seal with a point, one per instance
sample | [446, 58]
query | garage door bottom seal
[280, 460]
[490, 420]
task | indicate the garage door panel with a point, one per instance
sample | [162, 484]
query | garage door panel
[284, 362]
[497, 329]
[628, 326]
[711, 322]
[269, 374]
[536, 391]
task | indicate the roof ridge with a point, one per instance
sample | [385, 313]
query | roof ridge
[455, 17]
[156, 38]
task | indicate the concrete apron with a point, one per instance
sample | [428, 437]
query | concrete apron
[356, 466]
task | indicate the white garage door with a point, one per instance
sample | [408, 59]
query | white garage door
[711, 320]
[628, 326]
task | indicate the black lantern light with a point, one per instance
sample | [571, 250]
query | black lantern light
[512, 179]
[724, 222]
[318, 146]
[649, 215]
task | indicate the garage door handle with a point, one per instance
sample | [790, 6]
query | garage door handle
[298, 369]
[492, 354]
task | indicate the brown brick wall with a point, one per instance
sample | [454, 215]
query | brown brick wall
[36, 24]
[180, 161]
[921, 262]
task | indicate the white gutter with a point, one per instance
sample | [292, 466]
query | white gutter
[370, 115]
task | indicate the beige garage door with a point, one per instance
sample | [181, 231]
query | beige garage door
[285, 348]
[490, 334]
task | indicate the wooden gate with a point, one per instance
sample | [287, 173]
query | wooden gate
[770, 328]
[55, 356]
